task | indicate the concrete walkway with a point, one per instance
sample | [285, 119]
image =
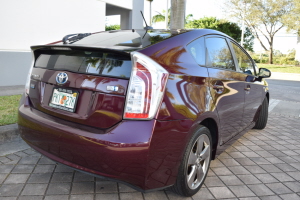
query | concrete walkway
[263, 164]
[11, 90]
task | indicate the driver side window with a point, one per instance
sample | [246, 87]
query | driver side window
[243, 59]
[218, 54]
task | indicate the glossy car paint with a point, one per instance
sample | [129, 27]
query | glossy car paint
[95, 101]
[146, 154]
[117, 153]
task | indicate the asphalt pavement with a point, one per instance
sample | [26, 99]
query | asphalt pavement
[285, 94]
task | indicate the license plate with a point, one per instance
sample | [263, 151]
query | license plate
[64, 99]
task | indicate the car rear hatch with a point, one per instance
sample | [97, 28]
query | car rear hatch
[79, 84]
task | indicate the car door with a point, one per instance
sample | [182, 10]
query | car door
[226, 86]
[253, 87]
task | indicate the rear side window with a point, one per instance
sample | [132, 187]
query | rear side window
[244, 61]
[218, 53]
[197, 50]
[100, 63]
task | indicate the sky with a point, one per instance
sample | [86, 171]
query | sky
[213, 8]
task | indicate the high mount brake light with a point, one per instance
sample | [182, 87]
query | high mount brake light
[146, 88]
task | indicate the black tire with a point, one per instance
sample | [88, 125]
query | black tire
[263, 115]
[190, 171]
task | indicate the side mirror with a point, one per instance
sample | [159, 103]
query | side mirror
[264, 73]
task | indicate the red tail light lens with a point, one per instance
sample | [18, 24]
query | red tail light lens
[27, 84]
[146, 88]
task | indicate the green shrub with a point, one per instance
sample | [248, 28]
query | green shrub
[278, 58]
[112, 27]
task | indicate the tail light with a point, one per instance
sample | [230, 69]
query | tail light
[27, 84]
[146, 87]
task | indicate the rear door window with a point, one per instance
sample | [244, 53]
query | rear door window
[218, 53]
[89, 62]
[197, 50]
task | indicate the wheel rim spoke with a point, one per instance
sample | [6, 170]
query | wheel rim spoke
[192, 158]
[199, 145]
[205, 153]
[191, 177]
[200, 173]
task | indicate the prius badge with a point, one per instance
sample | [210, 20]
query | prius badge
[61, 78]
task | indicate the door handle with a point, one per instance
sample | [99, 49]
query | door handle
[248, 88]
[218, 87]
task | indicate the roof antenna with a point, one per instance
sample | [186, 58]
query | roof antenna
[147, 27]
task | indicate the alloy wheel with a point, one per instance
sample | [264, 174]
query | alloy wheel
[198, 161]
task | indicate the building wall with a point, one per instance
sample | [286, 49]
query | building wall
[125, 16]
[32, 22]
[29, 22]
[14, 67]
[127, 4]
[137, 19]
[130, 18]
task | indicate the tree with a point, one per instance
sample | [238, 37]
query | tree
[292, 22]
[229, 28]
[160, 17]
[177, 14]
[264, 18]
[150, 1]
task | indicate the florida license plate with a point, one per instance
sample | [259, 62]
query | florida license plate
[64, 99]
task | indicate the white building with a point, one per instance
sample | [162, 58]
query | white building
[31, 22]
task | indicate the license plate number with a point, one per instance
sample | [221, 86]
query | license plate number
[64, 99]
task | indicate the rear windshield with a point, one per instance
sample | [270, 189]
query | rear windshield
[100, 63]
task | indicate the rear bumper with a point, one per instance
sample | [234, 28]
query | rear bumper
[145, 154]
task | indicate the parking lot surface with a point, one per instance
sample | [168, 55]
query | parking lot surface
[263, 164]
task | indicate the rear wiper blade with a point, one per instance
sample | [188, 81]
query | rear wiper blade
[69, 39]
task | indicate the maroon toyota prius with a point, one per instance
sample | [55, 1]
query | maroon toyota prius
[149, 109]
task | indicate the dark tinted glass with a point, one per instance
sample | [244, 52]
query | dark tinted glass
[197, 49]
[126, 39]
[244, 61]
[107, 64]
[218, 53]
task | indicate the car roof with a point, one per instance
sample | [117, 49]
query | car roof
[129, 40]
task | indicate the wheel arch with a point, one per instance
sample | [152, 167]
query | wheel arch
[212, 126]
[268, 97]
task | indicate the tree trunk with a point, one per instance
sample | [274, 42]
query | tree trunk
[271, 56]
[150, 13]
[177, 14]
[167, 15]
[271, 51]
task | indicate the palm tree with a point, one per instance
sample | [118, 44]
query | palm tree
[150, 1]
[160, 17]
[177, 14]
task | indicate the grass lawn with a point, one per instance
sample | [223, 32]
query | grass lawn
[8, 109]
[280, 68]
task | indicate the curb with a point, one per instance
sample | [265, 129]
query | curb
[8, 133]
[285, 76]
